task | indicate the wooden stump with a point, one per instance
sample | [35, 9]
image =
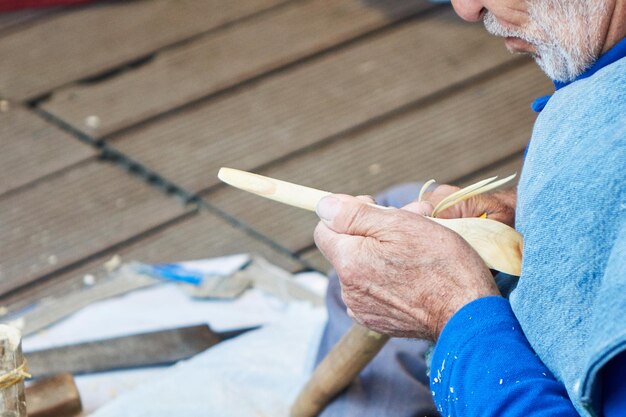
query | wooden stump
[12, 373]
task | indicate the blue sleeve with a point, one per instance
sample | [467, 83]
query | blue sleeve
[484, 366]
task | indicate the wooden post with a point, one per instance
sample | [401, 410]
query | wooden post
[338, 369]
[13, 371]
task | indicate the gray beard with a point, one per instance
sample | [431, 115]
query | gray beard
[562, 52]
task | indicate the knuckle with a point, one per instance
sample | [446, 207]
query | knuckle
[441, 192]
[354, 218]
[346, 270]
[347, 299]
[447, 189]
[366, 198]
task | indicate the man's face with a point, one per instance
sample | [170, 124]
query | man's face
[562, 35]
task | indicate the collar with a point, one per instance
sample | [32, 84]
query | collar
[616, 53]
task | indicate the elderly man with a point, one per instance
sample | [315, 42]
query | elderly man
[557, 345]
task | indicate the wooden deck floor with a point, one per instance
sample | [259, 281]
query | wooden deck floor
[114, 119]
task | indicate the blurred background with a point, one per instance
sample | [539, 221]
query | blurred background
[115, 117]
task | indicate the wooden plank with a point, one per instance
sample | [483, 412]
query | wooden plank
[76, 214]
[446, 139]
[203, 236]
[196, 236]
[14, 19]
[502, 169]
[308, 104]
[91, 40]
[32, 148]
[220, 60]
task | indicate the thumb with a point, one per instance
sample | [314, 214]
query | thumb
[349, 215]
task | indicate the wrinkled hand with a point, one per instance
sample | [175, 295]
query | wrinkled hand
[401, 274]
[499, 206]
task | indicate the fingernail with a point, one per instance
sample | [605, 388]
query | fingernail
[327, 208]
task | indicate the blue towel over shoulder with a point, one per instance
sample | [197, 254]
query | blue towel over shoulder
[571, 298]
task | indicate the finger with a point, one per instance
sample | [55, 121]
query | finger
[348, 215]
[424, 208]
[494, 208]
[354, 318]
[325, 240]
[366, 198]
[442, 192]
[335, 246]
[439, 193]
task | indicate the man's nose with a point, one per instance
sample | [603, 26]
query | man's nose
[470, 10]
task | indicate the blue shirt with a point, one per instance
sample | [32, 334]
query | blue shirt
[484, 366]
[558, 355]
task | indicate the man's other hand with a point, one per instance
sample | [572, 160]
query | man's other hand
[499, 206]
[401, 274]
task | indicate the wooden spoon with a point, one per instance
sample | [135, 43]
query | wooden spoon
[499, 245]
